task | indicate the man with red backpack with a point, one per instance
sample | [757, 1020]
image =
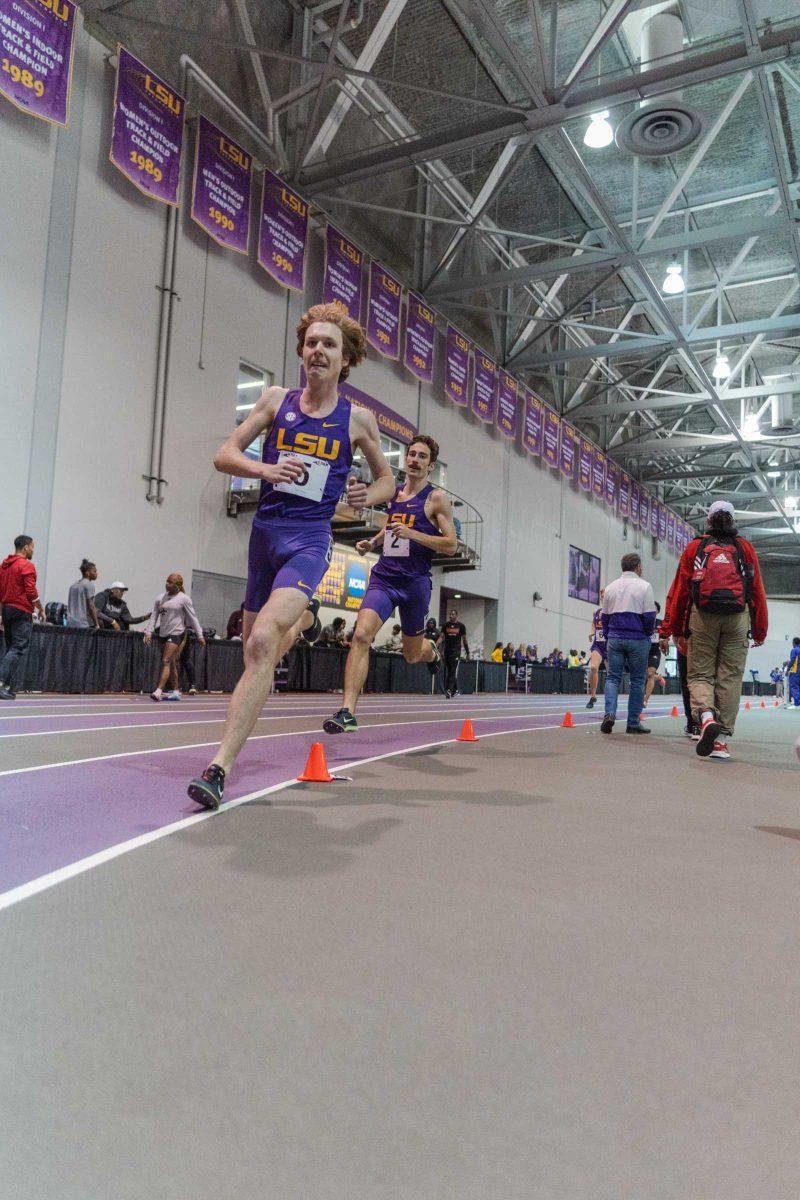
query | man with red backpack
[717, 602]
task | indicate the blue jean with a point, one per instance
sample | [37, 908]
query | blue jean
[631, 653]
[16, 636]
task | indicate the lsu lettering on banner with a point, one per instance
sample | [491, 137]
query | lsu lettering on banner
[456, 371]
[420, 338]
[37, 41]
[484, 387]
[598, 473]
[532, 426]
[568, 448]
[147, 134]
[551, 439]
[342, 280]
[221, 188]
[507, 405]
[585, 465]
[653, 517]
[383, 311]
[612, 483]
[283, 228]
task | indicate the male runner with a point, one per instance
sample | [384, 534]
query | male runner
[653, 658]
[419, 525]
[597, 650]
[452, 638]
[308, 448]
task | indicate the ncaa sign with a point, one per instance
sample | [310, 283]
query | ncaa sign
[357, 575]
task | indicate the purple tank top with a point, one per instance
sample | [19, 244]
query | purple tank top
[395, 561]
[599, 636]
[323, 446]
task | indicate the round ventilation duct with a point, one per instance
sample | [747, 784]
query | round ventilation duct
[782, 413]
[665, 124]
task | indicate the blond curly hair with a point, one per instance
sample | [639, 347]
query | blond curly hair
[354, 339]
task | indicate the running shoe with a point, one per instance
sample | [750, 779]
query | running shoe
[342, 721]
[156, 695]
[592, 702]
[311, 635]
[208, 789]
[436, 661]
[192, 691]
[607, 723]
[720, 750]
[636, 729]
[172, 696]
[710, 730]
[7, 694]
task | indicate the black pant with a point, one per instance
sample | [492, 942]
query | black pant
[17, 633]
[451, 660]
[683, 667]
[186, 660]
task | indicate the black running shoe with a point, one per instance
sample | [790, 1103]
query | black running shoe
[592, 702]
[342, 721]
[607, 723]
[208, 789]
[637, 729]
[436, 661]
[311, 635]
[709, 732]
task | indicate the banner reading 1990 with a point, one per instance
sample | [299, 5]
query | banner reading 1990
[147, 137]
[456, 372]
[36, 51]
[282, 233]
[484, 386]
[420, 337]
[221, 188]
[507, 405]
[383, 311]
[342, 279]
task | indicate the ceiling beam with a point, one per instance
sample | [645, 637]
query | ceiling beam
[662, 400]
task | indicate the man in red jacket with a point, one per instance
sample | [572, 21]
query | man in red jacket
[717, 601]
[18, 598]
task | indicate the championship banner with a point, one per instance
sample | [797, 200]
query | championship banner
[624, 494]
[568, 454]
[532, 425]
[598, 473]
[342, 281]
[551, 437]
[420, 338]
[644, 511]
[484, 386]
[283, 226]
[456, 372]
[653, 517]
[383, 311]
[37, 40]
[147, 135]
[221, 188]
[662, 522]
[585, 465]
[612, 483]
[670, 529]
[634, 503]
[389, 421]
[507, 405]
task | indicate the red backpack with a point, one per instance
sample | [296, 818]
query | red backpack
[722, 578]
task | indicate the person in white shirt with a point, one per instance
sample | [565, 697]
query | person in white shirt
[173, 612]
[629, 618]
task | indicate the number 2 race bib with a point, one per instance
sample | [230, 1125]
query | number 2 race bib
[311, 484]
[394, 546]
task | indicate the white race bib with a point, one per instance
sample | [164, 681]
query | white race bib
[394, 546]
[311, 484]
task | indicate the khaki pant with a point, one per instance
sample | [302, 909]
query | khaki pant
[717, 651]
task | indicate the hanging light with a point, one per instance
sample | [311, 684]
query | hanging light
[722, 368]
[674, 282]
[750, 427]
[791, 502]
[598, 132]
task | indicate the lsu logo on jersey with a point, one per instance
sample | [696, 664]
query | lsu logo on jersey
[307, 443]
[398, 518]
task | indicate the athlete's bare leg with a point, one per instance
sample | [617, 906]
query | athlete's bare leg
[169, 657]
[266, 636]
[595, 660]
[355, 671]
[418, 649]
[649, 685]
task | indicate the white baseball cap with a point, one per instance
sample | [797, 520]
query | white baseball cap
[122, 586]
[720, 506]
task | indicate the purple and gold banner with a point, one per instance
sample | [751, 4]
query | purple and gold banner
[624, 494]
[507, 405]
[147, 134]
[653, 517]
[532, 427]
[598, 473]
[420, 338]
[670, 528]
[389, 422]
[221, 188]
[634, 502]
[662, 521]
[644, 510]
[456, 373]
[568, 454]
[484, 387]
[36, 52]
[342, 281]
[383, 311]
[612, 483]
[585, 465]
[283, 226]
[551, 437]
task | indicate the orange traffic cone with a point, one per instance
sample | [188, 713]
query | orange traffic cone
[568, 722]
[674, 712]
[316, 768]
[747, 703]
[467, 732]
[776, 704]
[762, 705]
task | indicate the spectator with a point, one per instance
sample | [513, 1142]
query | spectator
[431, 631]
[531, 654]
[333, 634]
[235, 621]
[112, 611]
[497, 653]
[520, 656]
[717, 597]
[629, 617]
[776, 676]
[792, 675]
[81, 612]
[508, 652]
[173, 613]
[18, 598]
[394, 642]
[573, 660]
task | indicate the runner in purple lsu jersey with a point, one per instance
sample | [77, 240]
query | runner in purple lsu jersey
[597, 651]
[308, 449]
[419, 525]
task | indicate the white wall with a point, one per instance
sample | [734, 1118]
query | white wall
[784, 624]
[92, 492]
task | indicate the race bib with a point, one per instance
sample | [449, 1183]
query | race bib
[394, 546]
[311, 484]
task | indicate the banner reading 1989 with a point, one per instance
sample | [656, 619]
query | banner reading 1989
[36, 50]
[147, 137]
[221, 188]
[283, 230]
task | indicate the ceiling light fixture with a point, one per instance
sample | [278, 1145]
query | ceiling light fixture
[252, 384]
[598, 132]
[791, 501]
[722, 368]
[674, 282]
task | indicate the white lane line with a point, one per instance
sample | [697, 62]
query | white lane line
[35, 886]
